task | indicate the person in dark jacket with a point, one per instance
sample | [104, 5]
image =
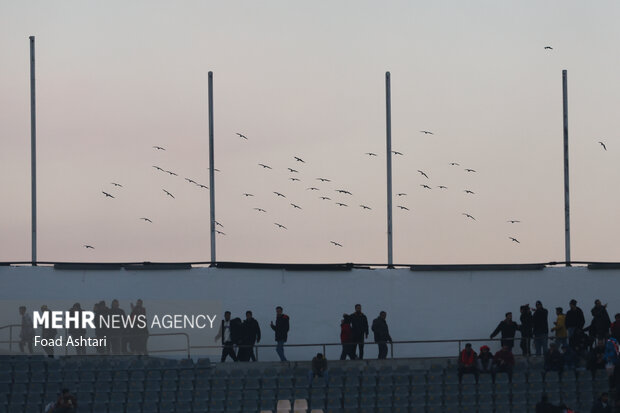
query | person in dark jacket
[508, 329]
[543, 406]
[281, 328]
[485, 360]
[600, 320]
[48, 333]
[77, 332]
[574, 319]
[503, 361]
[382, 334]
[26, 334]
[250, 335]
[526, 330]
[102, 312]
[596, 358]
[66, 403]
[319, 367]
[601, 405]
[359, 325]
[139, 333]
[117, 335]
[553, 359]
[615, 327]
[228, 335]
[346, 338]
[540, 328]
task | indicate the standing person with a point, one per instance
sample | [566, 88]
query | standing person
[540, 328]
[102, 312]
[346, 338]
[508, 328]
[601, 405]
[382, 334]
[560, 328]
[140, 335]
[600, 321]
[117, 335]
[359, 325]
[574, 320]
[250, 335]
[48, 333]
[226, 335]
[615, 327]
[75, 331]
[526, 330]
[281, 328]
[26, 334]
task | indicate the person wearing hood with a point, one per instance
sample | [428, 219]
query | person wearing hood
[485, 360]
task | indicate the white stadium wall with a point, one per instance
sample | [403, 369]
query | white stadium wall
[421, 305]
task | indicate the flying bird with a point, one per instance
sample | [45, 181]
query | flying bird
[292, 170]
[402, 207]
[147, 220]
[323, 179]
[242, 136]
[246, 194]
[514, 240]
[295, 206]
[365, 207]
[107, 195]
[202, 186]
[158, 168]
[218, 224]
[603, 145]
[425, 186]
[427, 132]
[89, 246]
[513, 221]
[469, 216]
[299, 159]
[190, 180]
[219, 232]
[295, 179]
[371, 154]
[341, 204]
[265, 166]
[401, 194]
[312, 188]
[467, 191]
[168, 193]
[454, 164]
[259, 209]
[423, 174]
[336, 244]
[397, 153]
[171, 173]
[442, 187]
[326, 198]
[159, 148]
[548, 48]
[279, 194]
[115, 184]
[342, 191]
[469, 170]
[280, 225]
[216, 170]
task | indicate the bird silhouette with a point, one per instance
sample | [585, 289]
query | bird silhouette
[216, 170]
[295, 206]
[190, 180]
[425, 186]
[513, 221]
[442, 187]
[107, 195]
[259, 209]
[341, 204]
[469, 216]
[219, 232]
[326, 198]
[147, 220]
[427, 132]
[467, 191]
[159, 148]
[115, 184]
[514, 240]
[89, 246]
[158, 168]
[242, 136]
[279, 194]
[423, 174]
[218, 224]
[299, 159]
[548, 48]
[342, 191]
[246, 194]
[312, 188]
[171, 173]
[371, 154]
[469, 170]
[365, 207]
[202, 186]
[292, 170]
[603, 145]
[454, 164]
[402, 207]
[265, 166]
[323, 179]
[295, 179]
[280, 225]
[401, 194]
[168, 193]
[336, 244]
[397, 153]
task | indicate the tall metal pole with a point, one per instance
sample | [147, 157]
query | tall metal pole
[211, 169]
[33, 154]
[388, 127]
[566, 175]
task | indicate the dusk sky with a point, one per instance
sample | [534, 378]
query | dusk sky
[116, 78]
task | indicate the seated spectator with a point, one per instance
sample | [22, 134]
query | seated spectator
[596, 358]
[611, 355]
[67, 403]
[601, 405]
[319, 367]
[553, 359]
[467, 362]
[503, 362]
[543, 406]
[569, 357]
[581, 343]
[485, 360]
[615, 327]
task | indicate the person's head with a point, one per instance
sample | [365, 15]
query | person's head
[248, 315]
[102, 304]
[44, 308]
[617, 317]
[484, 349]
[505, 347]
[346, 318]
[538, 305]
[22, 310]
[597, 303]
[319, 356]
[76, 306]
[605, 397]
[115, 303]
[65, 392]
[468, 347]
[139, 302]
[358, 308]
[573, 304]
[558, 310]
[509, 316]
[227, 315]
[383, 314]
[279, 310]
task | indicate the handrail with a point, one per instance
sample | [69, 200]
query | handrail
[10, 341]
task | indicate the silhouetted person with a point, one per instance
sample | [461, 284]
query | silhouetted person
[226, 335]
[101, 330]
[346, 338]
[117, 335]
[48, 333]
[615, 327]
[600, 320]
[484, 363]
[26, 333]
[77, 331]
[319, 366]
[250, 335]
[382, 334]
[574, 319]
[553, 359]
[503, 361]
[359, 325]
[541, 328]
[570, 358]
[526, 330]
[281, 328]
[601, 405]
[596, 358]
[543, 406]
[139, 335]
[67, 403]
[467, 362]
[508, 329]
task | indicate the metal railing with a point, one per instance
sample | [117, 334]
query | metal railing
[10, 341]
